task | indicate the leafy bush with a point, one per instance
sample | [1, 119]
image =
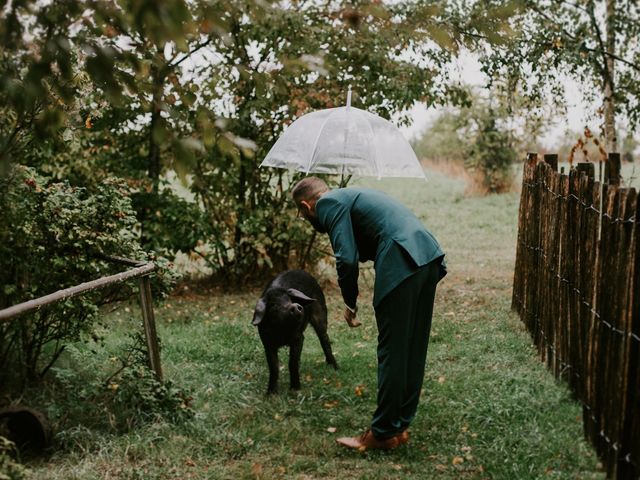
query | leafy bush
[115, 395]
[9, 468]
[472, 137]
[169, 223]
[51, 237]
[252, 217]
[491, 155]
[139, 397]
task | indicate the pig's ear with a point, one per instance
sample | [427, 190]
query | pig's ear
[300, 297]
[258, 314]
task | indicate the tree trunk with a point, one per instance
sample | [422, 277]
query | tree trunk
[154, 148]
[611, 142]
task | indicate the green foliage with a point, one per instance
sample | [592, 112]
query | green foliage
[269, 72]
[148, 87]
[139, 397]
[169, 221]
[445, 139]
[477, 137]
[491, 155]
[119, 401]
[52, 236]
[37, 83]
[629, 147]
[9, 468]
[557, 39]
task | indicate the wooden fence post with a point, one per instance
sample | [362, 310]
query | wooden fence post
[588, 168]
[612, 169]
[153, 349]
[552, 160]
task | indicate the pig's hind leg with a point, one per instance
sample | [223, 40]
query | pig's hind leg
[319, 324]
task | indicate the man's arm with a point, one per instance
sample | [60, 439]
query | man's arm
[336, 218]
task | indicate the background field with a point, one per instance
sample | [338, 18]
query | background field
[489, 410]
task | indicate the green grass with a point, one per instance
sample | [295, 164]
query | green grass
[490, 409]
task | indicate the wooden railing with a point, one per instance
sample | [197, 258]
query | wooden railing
[140, 270]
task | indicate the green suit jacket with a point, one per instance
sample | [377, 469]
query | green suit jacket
[365, 224]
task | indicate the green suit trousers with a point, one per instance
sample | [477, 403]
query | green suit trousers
[404, 322]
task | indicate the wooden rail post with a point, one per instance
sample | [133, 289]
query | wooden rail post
[141, 270]
[153, 349]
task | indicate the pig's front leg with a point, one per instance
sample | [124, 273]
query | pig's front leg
[295, 351]
[272, 362]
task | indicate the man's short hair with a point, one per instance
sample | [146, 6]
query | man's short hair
[308, 189]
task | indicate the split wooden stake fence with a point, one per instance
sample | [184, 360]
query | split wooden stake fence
[577, 289]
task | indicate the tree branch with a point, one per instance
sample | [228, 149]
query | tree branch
[189, 54]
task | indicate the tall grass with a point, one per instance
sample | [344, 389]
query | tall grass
[489, 408]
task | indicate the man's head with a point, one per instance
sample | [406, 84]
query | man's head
[305, 195]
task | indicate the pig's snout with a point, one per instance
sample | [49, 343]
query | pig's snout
[296, 309]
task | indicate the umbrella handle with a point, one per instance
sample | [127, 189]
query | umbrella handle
[344, 181]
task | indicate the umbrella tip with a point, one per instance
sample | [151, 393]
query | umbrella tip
[349, 97]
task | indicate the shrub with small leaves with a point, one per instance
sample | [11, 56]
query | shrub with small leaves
[9, 468]
[491, 155]
[138, 397]
[54, 236]
[169, 222]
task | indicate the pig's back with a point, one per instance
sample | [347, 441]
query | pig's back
[300, 280]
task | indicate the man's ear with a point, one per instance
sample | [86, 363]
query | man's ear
[258, 313]
[299, 297]
[306, 205]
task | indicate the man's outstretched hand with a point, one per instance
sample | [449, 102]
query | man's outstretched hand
[350, 317]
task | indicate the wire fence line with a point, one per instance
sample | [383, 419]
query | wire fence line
[577, 289]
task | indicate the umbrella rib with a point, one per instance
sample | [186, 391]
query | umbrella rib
[315, 144]
[373, 150]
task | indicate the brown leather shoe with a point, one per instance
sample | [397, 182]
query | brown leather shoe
[403, 437]
[367, 441]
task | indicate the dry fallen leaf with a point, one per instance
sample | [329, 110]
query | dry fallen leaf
[359, 390]
[331, 429]
[441, 380]
[457, 460]
[256, 470]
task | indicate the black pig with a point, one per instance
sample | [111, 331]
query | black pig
[291, 301]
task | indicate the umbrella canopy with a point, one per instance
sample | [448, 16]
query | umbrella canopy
[347, 141]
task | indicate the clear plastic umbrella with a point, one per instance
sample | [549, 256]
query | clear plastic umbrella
[346, 141]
